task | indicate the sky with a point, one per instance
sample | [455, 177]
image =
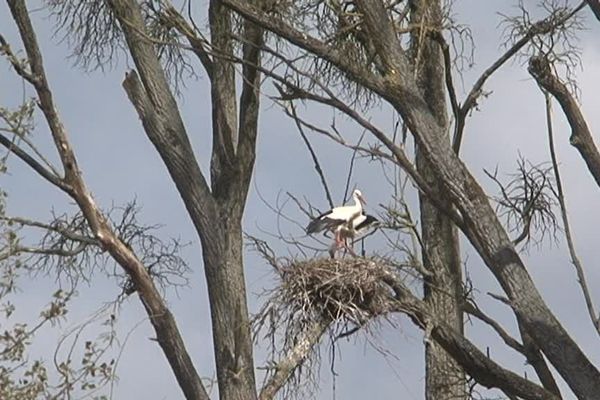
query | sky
[119, 164]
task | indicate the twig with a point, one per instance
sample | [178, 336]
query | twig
[595, 318]
[317, 165]
[539, 28]
[475, 311]
[34, 164]
[351, 168]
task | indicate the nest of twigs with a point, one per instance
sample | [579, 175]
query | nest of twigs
[337, 297]
[349, 289]
[343, 293]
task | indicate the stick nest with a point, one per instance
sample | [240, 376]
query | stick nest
[344, 294]
[335, 297]
[349, 289]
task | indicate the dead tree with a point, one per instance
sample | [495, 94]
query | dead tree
[221, 197]
[359, 53]
[385, 70]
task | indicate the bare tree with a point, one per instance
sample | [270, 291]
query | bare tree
[347, 55]
[223, 199]
[381, 67]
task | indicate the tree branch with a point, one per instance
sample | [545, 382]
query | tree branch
[309, 43]
[542, 27]
[197, 43]
[34, 164]
[63, 232]
[383, 35]
[595, 6]
[43, 251]
[168, 335]
[249, 105]
[594, 317]
[439, 38]
[536, 359]
[581, 136]
[480, 367]
[475, 311]
[293, 359]
[14, 61]
[317, 165]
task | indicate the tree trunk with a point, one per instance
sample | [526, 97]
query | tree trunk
[444, 378]
[471, 205]
[223, 265]
[216, 211]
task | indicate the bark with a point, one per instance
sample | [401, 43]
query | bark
[481, 225]
[216, 211]
[581, 136]
[535, 358]
[293, 359]
[444, 379]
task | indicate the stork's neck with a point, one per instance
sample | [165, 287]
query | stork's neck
[357, 202]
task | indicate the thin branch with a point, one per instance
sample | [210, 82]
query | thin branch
[438, 37]
[317, 165]
[64, 232]
[14, 61]
[43, 251]
[34, 164]
[475, 311]
[542, 27]
[351, 168]
[197, 43]
[35, 150]
[595, 318]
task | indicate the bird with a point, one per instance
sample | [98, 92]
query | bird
[363, 224]
[359, 228]
[334, 219]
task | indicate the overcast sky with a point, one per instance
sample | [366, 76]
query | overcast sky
[119, 164]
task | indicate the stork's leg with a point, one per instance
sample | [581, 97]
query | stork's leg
[336, 245]
[349, 248]
[332, 249]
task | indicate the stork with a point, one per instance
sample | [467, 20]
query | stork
[359, 228]
[334, 219]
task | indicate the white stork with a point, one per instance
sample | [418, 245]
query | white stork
[334, 219]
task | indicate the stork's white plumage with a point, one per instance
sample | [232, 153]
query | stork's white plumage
[337, 216]
[357, 229]
[363, 224]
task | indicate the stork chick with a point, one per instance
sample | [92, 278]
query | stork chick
[359, 227]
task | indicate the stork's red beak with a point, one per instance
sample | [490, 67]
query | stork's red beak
[362, 200]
